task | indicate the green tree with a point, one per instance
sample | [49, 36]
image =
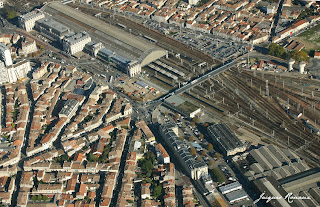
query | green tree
[217, 175]
[157, 191]
[191, 138]
[91, 158]
[39, 197]
[34, 197]
[11, 14]
[147, 167]
[45, 198]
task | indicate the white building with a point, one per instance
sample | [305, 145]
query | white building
[5, 54]
[133, 68]
[27, 21]
[18, 71]
[1, 3]
[75, 42]
[193, 2]
[29, 46]
[3, 73]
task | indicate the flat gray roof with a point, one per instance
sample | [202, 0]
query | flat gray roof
[56, 27]
[222, 134]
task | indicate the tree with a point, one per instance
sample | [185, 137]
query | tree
[39, 197]
[206, 124]
[193, 151]
[195, 119]
[217, 175]
[192, 124]
[201, 136]
[199, 158]
[210, 147]
[211, 163]
[176, 116]
[147, 167]
[191, 138]
[217, 155]
[91, 157]
[157, 191]
[166, 113]
[45, 198]
[34, 197]
[11, 14]
[181, 138]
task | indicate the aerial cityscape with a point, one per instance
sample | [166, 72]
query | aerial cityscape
[170, 103]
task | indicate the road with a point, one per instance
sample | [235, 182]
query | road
[276, 20]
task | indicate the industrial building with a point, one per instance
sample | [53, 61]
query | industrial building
[227, 141]
[273, 161]
[53, 29]
[5, 54]
[132, 52]
[28, 20]
[236, 196]
[301, 189]
[230, 187]
[74, 43]
[182, 106]
[194, 168]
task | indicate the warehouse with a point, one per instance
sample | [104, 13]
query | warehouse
[230, 187]
[227, 141]
[236, 196]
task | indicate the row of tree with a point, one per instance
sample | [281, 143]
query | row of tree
[278, 51]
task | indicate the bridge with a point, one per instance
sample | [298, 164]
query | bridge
[198, 80]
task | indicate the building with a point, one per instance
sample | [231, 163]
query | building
[128, 47]
[194, 168]
[75, 42]
[5, 54]
[273, 161]
[193, 2]
[53, 29]
[28, 46]
[227, 141]
[125, 63]
[302, 186]
[236, 196]
[69, 108]
[18, 71]
[93, 48]
[230, 187]
[162, 154]
[182, 106]
[27, 21]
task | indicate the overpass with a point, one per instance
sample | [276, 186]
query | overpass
[198, 80]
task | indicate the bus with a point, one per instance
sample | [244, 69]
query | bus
[110, 79]
[103, 76]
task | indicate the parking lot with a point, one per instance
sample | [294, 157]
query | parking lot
[138, 90]
[218, 47]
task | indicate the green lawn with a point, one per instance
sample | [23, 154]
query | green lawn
[311, 35]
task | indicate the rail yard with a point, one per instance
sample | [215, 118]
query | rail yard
[255, 99]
